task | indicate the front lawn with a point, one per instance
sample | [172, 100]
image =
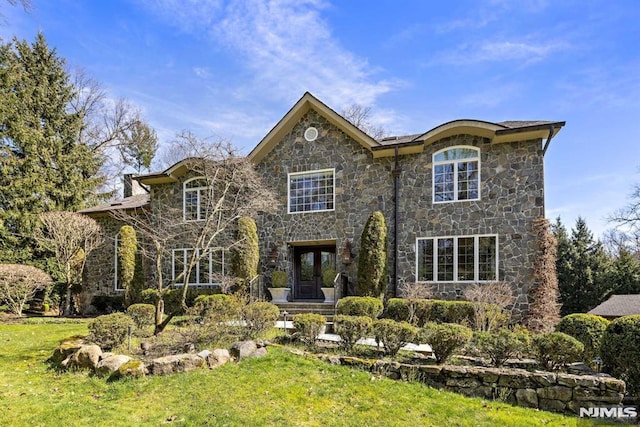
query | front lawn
[279, 389]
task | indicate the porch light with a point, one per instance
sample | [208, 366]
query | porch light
[346, 253]
[272, 258]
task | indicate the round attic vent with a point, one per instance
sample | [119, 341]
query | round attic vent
[311, 134]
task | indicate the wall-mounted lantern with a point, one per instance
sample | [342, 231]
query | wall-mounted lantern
[346, 253]
[272, 258]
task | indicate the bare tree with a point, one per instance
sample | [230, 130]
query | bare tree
[19, 283]
[230, 189]
[113, 128]
[360, 117]
[413, 292]
[492, 303]
[71, 237]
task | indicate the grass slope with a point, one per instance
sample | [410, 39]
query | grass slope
[280, 389]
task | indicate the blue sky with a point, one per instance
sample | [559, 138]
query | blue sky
[232, 69]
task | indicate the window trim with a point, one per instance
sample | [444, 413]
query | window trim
[290, 174]
[455, 175]
[198, 191]
[196, 271]
[476, 258]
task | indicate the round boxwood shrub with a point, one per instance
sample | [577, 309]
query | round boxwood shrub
[620, 350]
[501, 345]
[351, 329]
[217, 308]
[309, 326]
[110, 330]
[259, 317]
[445, 338]
[441, 311]
[393, 335]
[586, 328]
[279, 279]
[142, 314]
[556, 349]
[360, 306]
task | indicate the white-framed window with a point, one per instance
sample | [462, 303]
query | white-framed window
[457, 259]
[456, 174]
[312, 191]
[208, 272]
[116, 282]
[194, 199]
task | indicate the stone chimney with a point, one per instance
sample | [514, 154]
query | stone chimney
[128, 185]
[132, 187]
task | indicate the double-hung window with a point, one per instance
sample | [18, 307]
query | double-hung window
[457, 259]
[208, 271]
[456, 174]
[194, 203]
[312, 191]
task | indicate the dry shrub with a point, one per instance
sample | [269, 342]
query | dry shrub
[544, 309]
[492, 302]
[19, 283]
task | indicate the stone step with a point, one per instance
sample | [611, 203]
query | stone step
[292, 308]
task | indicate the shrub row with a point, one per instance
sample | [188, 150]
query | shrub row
[430, 310]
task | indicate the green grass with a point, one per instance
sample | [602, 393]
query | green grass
[280, 389]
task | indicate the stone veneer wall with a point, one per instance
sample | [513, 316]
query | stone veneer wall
[512, 195]
[549, 391]
[99, 273]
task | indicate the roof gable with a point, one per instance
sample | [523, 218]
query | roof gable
[306, 103]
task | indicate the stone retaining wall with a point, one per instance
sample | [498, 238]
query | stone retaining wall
[549, 391]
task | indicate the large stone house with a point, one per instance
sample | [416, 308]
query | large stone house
[459, 201]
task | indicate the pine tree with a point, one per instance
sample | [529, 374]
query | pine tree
[583, 267]
[43, 168]
[624, 277]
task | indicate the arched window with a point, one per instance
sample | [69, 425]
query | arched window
[456, 174]
[194, 201]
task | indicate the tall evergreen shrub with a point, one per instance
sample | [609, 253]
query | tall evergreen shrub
[372, 259]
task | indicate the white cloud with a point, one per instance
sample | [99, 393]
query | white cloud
[202, 72]
[525, 52]
[286, 44]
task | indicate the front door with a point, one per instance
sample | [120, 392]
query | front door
[310, 262]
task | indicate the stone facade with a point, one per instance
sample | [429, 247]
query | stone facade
[511, 196]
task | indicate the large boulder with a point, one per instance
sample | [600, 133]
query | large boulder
[176, 363]
[243, 349]
[65, 350]
[131, 369]
[215, 358]
[86, 357]
[111, 364]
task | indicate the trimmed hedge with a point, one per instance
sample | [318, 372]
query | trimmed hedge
[620, 350]
[500, 346]
[351, 329]
[110, 330]
[586, 328]
[217, 308]
[308, 326]
[432, 310]
[445, 338]
[142, 314]
[555, 349]
[393, 335]
[360, 306]
[259, 317]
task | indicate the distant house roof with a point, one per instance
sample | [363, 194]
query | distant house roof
[132, 202]
[618, 305]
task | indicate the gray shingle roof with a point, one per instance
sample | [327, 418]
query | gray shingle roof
[132, 202]
[618, 305]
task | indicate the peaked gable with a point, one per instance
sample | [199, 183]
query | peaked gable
[284, 126]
